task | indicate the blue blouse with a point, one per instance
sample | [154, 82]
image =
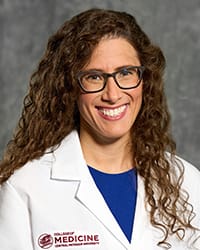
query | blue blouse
[120, 194]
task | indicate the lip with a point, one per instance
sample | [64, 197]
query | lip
[112, 113]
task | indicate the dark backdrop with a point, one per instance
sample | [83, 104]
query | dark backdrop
[25, 26]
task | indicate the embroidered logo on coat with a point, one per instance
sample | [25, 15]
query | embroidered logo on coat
[67, 239]
[45, 241]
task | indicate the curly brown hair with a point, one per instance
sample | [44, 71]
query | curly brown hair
[50, 113]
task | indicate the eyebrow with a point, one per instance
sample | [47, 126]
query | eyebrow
[116, 69]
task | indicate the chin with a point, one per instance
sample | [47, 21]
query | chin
[113, 136]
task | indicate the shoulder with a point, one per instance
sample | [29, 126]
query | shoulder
[191, 173]
[40, 170]
[190, 178]
[191, 184]
[31, 174]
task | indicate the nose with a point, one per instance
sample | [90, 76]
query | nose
[111, 93]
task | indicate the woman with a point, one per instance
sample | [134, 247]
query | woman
[87, 167]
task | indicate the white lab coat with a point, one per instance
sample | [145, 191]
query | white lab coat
[53, 203]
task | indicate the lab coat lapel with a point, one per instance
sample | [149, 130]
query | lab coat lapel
[142, 234]
[69, 165]
[95, 202]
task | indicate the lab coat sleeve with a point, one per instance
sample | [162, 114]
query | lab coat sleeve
[15, 232]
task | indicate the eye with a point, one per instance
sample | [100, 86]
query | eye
[93, 77]
[125, 72]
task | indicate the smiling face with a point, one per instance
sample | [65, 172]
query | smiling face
[108, 115]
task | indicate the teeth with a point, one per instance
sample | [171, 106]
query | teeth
[113, 112]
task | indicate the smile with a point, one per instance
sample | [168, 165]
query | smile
[112, 112]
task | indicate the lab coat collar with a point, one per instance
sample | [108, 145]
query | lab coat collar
[69, 165]
[68, 160]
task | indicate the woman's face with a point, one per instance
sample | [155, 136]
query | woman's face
[108, 115]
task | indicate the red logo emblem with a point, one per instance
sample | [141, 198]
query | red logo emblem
[45, 241]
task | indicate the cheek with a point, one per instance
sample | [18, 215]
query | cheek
[136, 94]
[80, 104]
[84, 103]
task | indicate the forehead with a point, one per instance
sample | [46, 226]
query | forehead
[111, 53]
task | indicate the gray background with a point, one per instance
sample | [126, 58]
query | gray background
[25, 26]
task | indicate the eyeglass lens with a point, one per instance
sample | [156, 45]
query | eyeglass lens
[126, 78]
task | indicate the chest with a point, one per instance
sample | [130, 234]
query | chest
[61, 216]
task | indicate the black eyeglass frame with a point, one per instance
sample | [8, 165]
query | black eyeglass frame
[107, 75]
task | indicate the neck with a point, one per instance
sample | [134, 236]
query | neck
[112, 157]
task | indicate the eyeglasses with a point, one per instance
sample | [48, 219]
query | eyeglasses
[93, 81]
